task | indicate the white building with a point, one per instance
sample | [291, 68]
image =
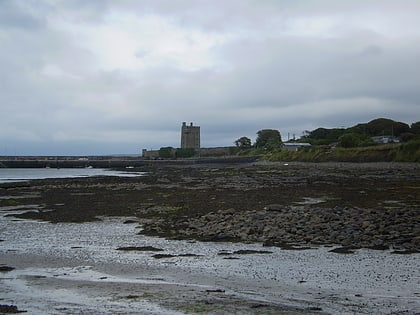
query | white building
[386, 139]
[294, 146]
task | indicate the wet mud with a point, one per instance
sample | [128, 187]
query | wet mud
[299, 238]
[374, 205]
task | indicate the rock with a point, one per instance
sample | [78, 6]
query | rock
[189, 255]
[10, 309]
[160, 256]
[253, 205]
[283, 245]
[405, 252]
[6, 268]
[130, 221]
[274, 207]
[251, 251]
[221, 237]
[140, 248]
[343, 250]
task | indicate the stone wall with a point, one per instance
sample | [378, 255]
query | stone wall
[202, 152]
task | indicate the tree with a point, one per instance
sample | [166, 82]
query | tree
[381, 127]
[243, 142]
[349, 140]
[166, 152]
[326, 136]
[415, 128]
[352, 140]
[407, 136]
[185, 153]
[268, 139]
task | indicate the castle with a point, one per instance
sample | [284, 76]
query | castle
[190, 139]
[190, 136]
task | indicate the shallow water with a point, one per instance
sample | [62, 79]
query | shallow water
[85, 254]
[24, 174]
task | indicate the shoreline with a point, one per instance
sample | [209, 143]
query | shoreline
[105, 162]
[76, 276]
[284, 207]
[279, 204]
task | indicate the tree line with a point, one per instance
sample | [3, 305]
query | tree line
[357, 136]
[362, 134]
[267, 139]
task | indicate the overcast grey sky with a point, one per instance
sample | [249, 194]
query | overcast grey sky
[104, 77]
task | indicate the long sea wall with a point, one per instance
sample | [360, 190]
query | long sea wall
[114, 163]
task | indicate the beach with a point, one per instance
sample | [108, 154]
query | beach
[126, 246]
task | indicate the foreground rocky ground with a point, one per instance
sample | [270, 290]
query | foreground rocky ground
[294, 205]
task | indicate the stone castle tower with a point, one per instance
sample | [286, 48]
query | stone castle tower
[190, 136]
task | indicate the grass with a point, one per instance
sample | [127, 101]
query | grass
[407, 152]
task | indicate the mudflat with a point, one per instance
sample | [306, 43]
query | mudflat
[279, 238]
[372, 205]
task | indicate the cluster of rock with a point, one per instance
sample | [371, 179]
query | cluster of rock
[10, 309]
[300, 226]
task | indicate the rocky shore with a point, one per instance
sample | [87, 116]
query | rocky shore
[290, 205]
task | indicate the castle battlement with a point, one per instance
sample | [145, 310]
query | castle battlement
[190, 136]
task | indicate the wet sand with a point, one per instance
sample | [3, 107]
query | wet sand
[76, 268]
[84, 273]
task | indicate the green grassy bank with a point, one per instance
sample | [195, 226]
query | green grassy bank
[407, 152]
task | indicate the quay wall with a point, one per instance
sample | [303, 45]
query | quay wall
[118, 163]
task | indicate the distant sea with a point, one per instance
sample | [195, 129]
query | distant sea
[8, 175]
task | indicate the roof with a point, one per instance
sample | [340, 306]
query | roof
[296, 144]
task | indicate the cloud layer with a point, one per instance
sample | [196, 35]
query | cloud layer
[103, 77]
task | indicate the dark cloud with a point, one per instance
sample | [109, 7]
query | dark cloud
[18, 15]
[87, 77]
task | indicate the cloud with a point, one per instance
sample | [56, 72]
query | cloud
[20, 15]
[88, 77]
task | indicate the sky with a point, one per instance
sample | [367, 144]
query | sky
[95, 77]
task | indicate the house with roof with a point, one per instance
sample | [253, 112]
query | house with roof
[386, 139]
[294, 146]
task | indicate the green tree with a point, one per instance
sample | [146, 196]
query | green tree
[349, 140]
[380, 127]
[323, 136]
[415, 128]
[352, 139]
[166, 152]
[185, 153]
[268, 139]
[243, 142]
[407, 136]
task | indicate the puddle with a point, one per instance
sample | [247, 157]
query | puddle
[11, 210]
[393, 204]
[20, 196]
[310, 201]
[37, 295]
[9, 175]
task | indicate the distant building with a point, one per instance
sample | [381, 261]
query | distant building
[294, 146]
[190, 139]
[386, 139]
[190, 136]
[150, 154]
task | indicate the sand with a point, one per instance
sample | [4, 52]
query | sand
[75, 268]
